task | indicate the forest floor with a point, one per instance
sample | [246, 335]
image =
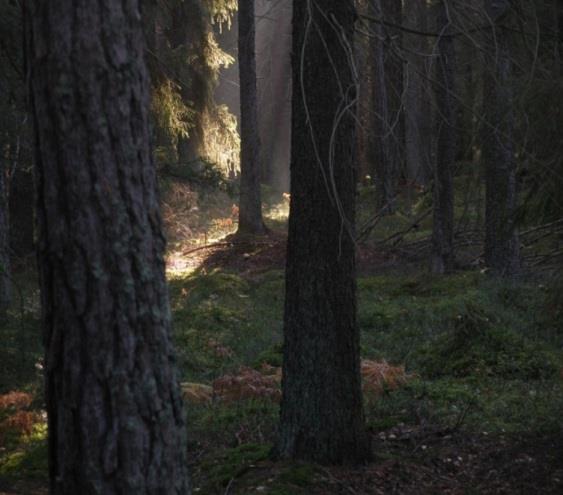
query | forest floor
[463, 375]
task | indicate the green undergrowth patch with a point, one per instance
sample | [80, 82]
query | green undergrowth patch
[25, 458]
[222, 321]
[490, 405]
[459, 325]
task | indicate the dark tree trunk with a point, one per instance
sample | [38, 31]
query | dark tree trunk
[189, 32]
[250, 206]
[443, 227]
[321, 412]
[418, 116]
[393, 14]
[5, 275]
[383, 144]
[502, 253]
[116, 421]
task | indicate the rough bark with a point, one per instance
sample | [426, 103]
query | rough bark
[502, 251]
[321, 411]
[250, 206]
[115, 415]
[443, 226]
[383, 145]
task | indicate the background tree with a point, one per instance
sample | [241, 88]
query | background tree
[321, 415]
[443, 206]
[502, 249]
[250, 206]
[115, 415]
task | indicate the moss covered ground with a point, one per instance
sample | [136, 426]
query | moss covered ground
[480, 412]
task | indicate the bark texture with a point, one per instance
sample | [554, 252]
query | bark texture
[321, 412]
[443, 226]
[502, 247]
[116, 420]
[250, 207]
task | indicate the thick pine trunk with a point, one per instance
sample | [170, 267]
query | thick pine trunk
[115, 415]
[250, 207]
[321, 412]
[502, 248]
[443, 227]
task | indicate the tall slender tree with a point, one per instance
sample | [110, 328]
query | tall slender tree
[443, 227]
[321, 411]
[250, 208]
[115, 416]
[5, 275]
[383, 145]
[502, 253]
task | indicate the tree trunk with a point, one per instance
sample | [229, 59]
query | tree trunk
[443, 228]
[273, 36]
[5, 275]
[115, 415]
[393, 14]
[417, 115]
[502, 252]
[190, 32]
[321, 411]
[383, 145]
[250, 207]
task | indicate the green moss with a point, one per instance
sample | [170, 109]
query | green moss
[301, 475]
[234, 462]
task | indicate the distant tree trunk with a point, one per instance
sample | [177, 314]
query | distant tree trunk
[383, 145]
[250, 207]
[190, 31]
[5, 276]
[393, 14]
[273, 36]
[502, 252]
[417, 115]
[443, 228]
[321, 411]
[115, 415]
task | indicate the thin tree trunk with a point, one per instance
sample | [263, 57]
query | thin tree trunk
[393, 13]
[443, 227]
[502, 249]
[383, 145]
[5, 265]
[417, 118]
[250, 207]
[115, 415]
[321, 411]
[189, 31]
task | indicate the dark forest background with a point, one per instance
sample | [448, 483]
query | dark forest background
[362, 197]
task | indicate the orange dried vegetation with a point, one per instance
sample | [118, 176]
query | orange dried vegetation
[249, 384]
[15, 400]
[379, 376]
